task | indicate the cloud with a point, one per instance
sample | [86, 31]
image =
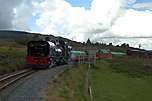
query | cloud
[133, 23]
[71, 21]
[145, 5]
[6, 13]
[104, 18]
[16, 14]
[60, 18]
[22, 14]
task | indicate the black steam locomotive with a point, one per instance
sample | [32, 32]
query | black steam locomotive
[44, 54]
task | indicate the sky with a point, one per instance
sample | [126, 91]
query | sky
[82, 19]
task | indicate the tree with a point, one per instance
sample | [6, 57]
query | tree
[97, 43]
[127, 45]
[117, 45]
[139, 46]
[124, 45]
[88, 42]
[110, 44]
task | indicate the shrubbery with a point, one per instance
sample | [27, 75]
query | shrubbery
[11, 59]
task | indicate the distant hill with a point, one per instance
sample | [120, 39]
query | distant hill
[8, 35]
[12, 35]
[24, 37]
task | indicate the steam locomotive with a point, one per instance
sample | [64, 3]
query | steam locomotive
[44, 54]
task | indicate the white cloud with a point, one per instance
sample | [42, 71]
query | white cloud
[104, 18]
[130, 1]
[133, 23]
[59, 17]
[22, 15]
[147, 5]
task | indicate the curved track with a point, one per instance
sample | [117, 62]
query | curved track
[30, 88]
[10, 79]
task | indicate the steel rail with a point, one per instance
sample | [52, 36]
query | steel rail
[12, 75]
[10, 79]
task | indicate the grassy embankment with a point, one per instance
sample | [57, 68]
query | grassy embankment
[70, 86]
[12, 57]
[122, 80]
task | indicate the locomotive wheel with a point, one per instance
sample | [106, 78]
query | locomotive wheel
[51, 63]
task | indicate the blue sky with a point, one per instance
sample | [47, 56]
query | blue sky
[87, 3]
[75, 3]
[80, 3]
[140, 1]
[134, 16]
[32, 23]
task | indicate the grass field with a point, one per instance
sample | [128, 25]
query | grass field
[70, 86]
[12, 57]
[122, 80]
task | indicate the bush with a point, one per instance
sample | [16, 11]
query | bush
[11, 59]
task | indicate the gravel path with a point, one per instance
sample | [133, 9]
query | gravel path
[29, 88]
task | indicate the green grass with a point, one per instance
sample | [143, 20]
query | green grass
[110, 85]
[133, 67]
[70, 86]
[12, 58]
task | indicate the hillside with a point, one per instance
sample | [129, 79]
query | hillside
[11, 36]
[24, 37]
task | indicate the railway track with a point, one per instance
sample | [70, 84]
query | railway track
[10, 79]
